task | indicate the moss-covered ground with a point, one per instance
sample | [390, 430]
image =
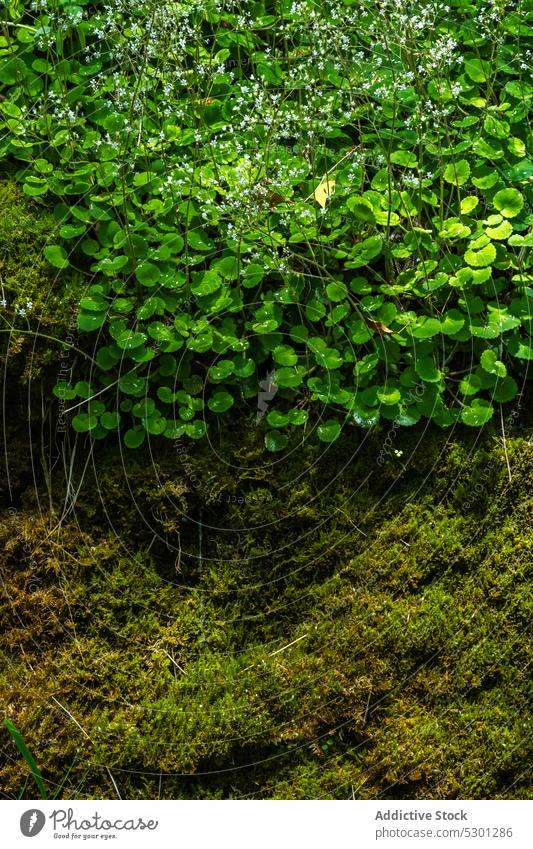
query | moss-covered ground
[198, 620]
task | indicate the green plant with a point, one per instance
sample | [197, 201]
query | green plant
[244, 196]
[27, 755]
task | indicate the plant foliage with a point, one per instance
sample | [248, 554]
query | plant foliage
[339, 192]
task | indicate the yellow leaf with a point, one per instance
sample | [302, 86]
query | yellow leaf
[324, 191]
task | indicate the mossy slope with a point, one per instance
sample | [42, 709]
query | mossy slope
[408, 611]
[204, 623]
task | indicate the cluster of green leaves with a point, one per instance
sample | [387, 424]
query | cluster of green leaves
[405, 293]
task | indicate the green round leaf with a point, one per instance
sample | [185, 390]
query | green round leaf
[277, 419]
[452, 322]
[221, 371]
[388, 395]
[193, 384]
[502, 231]
[220, 402]
[336, 291]
[364, 417]
[92, 303]
[186, 414]
[133, 438]
[132, 384]
[299, 333]
[328, 358]
[196, 429]
[288, 378]
[155, 425]
[509, 202]
[129, 339]
[492, 365]
[298, 417]
[482, 257]
[468, 204]
[315, 310]
[110, 421]
[83, 389]
[408, 417]
[404, 158]
[362, 209]
[174, 429]
[56, 256]
[505, 390]
[457, 172]
[95, 408]
[147, 273]
[267, 326]
[520, 348]
[470, 384]
[84, 422]
[426, 369]
[144, 409]
[70, 231]
[426, 328]
[477, 414]
[91, 321]
[477, 69]
[64, 391]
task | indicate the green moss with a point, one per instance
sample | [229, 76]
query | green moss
[30, 357]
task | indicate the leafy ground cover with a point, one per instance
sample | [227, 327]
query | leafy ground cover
[211, 194]
[333, 197]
